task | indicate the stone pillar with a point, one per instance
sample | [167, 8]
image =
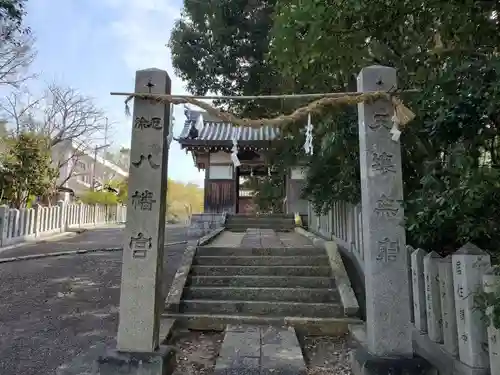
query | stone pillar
[141, 299]
[388, 326]
[386, 274]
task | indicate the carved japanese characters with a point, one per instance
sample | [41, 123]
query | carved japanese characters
[142, 158]
[383, 163]
[143, 201]
[140, 245]
[144, 123]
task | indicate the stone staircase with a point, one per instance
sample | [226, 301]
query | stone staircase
[275, 286]
[277, 222]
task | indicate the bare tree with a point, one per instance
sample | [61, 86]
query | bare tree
[15, 58]
[20, 107]
[71, 121]
[69, 115]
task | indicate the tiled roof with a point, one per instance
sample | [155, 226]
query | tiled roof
[215, 131]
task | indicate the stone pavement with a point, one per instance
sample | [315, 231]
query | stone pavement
[57, 314]
[262, 238]
[227, 239]
[259, 350]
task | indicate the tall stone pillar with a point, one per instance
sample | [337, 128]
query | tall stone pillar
[388, 327]
[141, 300]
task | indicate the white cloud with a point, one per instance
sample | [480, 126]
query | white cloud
[143, 28]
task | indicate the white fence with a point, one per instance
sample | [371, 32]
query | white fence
[19, 225]
[450, 331]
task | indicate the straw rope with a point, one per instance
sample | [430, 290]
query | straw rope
[402, 113]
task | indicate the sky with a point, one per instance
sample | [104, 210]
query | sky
[96, 46]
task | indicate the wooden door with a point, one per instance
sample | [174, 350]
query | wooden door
[219, 196]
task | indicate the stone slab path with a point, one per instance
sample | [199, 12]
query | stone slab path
[227, 239]
[292, 239]
[260, 238]
[260, 350]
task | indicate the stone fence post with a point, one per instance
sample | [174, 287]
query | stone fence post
[62, 215]
[433, 297]
[37, 218]
[450, 337]
[491, 284]
[419, 311]
[469, 265]
[80, 214]
[4, 224]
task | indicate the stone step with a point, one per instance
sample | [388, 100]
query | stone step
[270, 308]
[262, 294]
[235, 251]
[257, 218]
[306, 325]
[262, 281]
[312, 260]
[249, 349]
[244, 226]
[286, 216]
[243, 230]
[260, 270]
[257, 223]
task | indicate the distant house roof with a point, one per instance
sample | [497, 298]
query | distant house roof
[218, 133]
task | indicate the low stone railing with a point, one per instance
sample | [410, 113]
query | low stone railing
[25, 224]
[343, 224]
[450, 329]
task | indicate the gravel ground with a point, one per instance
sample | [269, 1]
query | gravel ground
[57, 314]
[327, 355]
[196, 352]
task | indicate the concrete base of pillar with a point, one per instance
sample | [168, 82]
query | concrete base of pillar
[160, 362]
[364, 363]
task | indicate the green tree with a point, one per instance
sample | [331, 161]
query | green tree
[232, 48]
[220, 46]
[449, 52]
[100, 197]
[26, 169]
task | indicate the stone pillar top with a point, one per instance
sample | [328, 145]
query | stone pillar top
[470, 249]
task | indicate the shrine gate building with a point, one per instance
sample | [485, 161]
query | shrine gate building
[210, 141]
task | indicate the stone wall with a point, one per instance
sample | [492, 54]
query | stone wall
[204, 223]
